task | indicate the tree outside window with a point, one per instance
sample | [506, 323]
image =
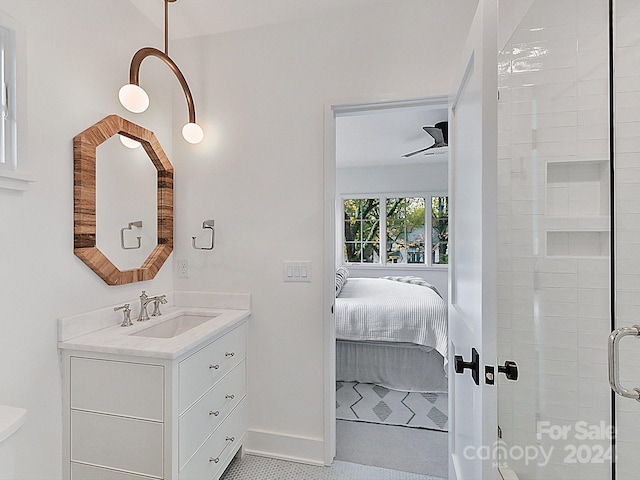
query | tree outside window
[362, 230]
[405, 230]
[439, 230]
[400, 225]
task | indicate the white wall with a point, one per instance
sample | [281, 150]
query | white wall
[432, 176]
[78, 57]
[410, 179]
[262, 96]
[263, 92]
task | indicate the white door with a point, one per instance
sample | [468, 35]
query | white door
[472, 247]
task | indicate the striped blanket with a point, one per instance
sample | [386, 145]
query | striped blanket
[387, 310]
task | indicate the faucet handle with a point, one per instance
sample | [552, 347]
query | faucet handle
[162, 299]
[144, 299]
[126, 312]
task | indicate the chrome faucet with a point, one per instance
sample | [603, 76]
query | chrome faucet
[157, 300]
[145, 300]
[126, 320]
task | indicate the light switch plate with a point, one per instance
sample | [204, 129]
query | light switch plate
[297, 271]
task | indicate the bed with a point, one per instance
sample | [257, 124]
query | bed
[391, 331]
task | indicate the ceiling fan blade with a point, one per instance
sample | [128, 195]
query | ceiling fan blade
[436, 134]
[407, 155]
[444, 126]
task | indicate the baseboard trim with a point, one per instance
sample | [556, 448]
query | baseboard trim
[284, 446]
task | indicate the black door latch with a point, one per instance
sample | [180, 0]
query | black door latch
[474, 365]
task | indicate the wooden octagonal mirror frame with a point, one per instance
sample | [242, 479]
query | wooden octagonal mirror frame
[84, 202]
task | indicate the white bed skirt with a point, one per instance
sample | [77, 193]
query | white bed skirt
[398, 366]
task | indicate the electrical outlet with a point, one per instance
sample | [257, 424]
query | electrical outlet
[183, 268]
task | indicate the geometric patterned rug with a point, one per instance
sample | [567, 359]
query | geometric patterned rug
[366, 402]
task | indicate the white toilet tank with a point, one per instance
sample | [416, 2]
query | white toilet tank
[11, 419]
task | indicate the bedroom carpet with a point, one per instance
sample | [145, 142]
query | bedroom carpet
[414, 450]
[365, 402]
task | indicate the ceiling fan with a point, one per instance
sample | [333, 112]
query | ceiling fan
[440, 134]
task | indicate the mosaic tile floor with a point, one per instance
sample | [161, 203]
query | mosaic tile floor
[252, 467]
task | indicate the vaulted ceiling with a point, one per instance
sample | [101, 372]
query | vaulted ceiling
[192, 18]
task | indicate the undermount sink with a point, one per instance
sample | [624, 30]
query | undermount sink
[175, 326]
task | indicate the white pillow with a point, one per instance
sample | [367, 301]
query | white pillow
[342, 274]
[415, 281]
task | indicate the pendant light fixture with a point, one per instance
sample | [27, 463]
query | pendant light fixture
[135, 99]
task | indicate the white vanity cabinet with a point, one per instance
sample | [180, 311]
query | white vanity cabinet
[130, 417]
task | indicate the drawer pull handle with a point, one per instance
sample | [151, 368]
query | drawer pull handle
[217, 459]
[215, 367]
[229, 354]
[215, 414]
[229, 397]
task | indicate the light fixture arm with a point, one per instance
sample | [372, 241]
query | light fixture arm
[135, 99]
[166, 27]
[134, 74]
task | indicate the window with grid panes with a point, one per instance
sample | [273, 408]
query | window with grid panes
[400, 225]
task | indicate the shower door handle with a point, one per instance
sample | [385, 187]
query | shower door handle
[614, 371]
[510, 370]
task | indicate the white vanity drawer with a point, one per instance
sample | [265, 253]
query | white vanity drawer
[120, 388]
[214, 455]
[199, 421]
[87, 472]
[127, 444]
[200, 371]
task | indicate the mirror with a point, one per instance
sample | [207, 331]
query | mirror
[116, 271]
[125, 194]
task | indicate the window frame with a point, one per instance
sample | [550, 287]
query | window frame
[13, 171]
[380, 226]
[382, 198]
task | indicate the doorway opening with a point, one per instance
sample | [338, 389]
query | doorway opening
[388, 243]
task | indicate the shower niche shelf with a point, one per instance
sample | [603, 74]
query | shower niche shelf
[575, 243]
[577, 188]
[577, 209]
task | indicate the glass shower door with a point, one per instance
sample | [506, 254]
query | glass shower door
[626, 83]
[554, 284]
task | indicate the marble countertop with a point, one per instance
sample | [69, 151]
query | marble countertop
[100, 331]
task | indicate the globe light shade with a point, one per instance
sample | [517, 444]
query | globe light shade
[192, 133]
[133, 98]
[129, 142]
